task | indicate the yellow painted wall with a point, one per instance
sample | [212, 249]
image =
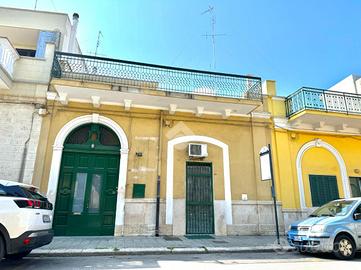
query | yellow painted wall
[315, 161]
[287, 143]
[245, 138]
[319, 161]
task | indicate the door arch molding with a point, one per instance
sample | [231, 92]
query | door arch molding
[335, 153]
[58, 151]
[170, 172]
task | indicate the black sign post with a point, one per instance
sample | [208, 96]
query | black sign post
[273, 189]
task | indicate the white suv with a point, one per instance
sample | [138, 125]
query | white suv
[25, 219]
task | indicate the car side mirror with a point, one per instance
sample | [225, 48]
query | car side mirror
[357, 216]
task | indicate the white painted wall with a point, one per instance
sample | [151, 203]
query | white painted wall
[19, 119]
[15, 129]
[348, 85]
[28, 23]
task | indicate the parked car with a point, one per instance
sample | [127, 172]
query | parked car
[334, 227]
[25, 219]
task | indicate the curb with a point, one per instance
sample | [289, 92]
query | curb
[156, 251]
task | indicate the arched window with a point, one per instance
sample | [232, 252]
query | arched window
[92, 136]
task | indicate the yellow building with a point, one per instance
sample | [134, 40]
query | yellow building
[122, 139]
[317, 146]
[125, 148]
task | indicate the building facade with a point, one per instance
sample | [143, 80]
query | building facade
[28, 40]
[128, 148]
[317, 142]
[116, 145]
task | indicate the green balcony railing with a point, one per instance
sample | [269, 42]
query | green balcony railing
[155, 77]
[322, 100]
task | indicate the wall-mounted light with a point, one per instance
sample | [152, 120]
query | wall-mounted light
[293, 136]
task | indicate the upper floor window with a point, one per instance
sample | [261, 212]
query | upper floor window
[26, 52]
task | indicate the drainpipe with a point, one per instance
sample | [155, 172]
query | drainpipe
[254, 167]
[157, 215]
[25, 151]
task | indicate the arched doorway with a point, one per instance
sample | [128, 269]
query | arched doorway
[339, 159]
[88, 181]
[223, 208]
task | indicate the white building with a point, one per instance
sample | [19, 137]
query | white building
[28, 40]
[351, 84]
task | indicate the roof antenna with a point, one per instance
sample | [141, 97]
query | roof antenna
[100, 34]
[36, 3]
[213, 35]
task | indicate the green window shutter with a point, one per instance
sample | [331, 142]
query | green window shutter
[138, 191]
[355, 183]
[323, 189]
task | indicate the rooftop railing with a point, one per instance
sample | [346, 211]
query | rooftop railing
[322, 100]
[155, 77]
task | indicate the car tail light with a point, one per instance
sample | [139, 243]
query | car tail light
[34, 204]
[24, 203]
[26, 241]
[37, 204]
[28, 203]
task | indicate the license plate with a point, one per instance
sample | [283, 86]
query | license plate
[46, 219]
[297, 238]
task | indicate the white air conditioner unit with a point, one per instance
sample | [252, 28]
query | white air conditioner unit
[197, 150]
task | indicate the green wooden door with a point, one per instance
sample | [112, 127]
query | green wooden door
[199, 199]
[87, 191]
[87, 188]
[323, 189]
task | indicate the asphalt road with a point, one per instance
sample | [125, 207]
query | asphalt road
[244, 261]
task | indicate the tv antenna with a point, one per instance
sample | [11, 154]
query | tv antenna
[213, 35]
[100, 35]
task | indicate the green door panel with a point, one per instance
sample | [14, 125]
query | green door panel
[323, 189]
[199, 198]
[87, 194]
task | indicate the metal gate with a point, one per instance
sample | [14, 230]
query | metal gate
[199, 199]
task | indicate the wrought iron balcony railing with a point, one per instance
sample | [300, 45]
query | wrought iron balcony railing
[155, 77]
[322, 100]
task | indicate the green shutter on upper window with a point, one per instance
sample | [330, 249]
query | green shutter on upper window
[323, 189]
[138, 191]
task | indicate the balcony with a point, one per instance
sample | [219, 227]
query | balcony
[155, 77]
[322, 100]
[8, 56]
[343, 110]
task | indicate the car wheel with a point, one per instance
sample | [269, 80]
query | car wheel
[344, 247]
[17, 256]
[2, 248]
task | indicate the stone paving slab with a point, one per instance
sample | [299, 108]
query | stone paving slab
[129, 245]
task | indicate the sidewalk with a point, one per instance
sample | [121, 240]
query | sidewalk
[138, 245]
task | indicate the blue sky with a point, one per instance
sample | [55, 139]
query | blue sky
[297, 43]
